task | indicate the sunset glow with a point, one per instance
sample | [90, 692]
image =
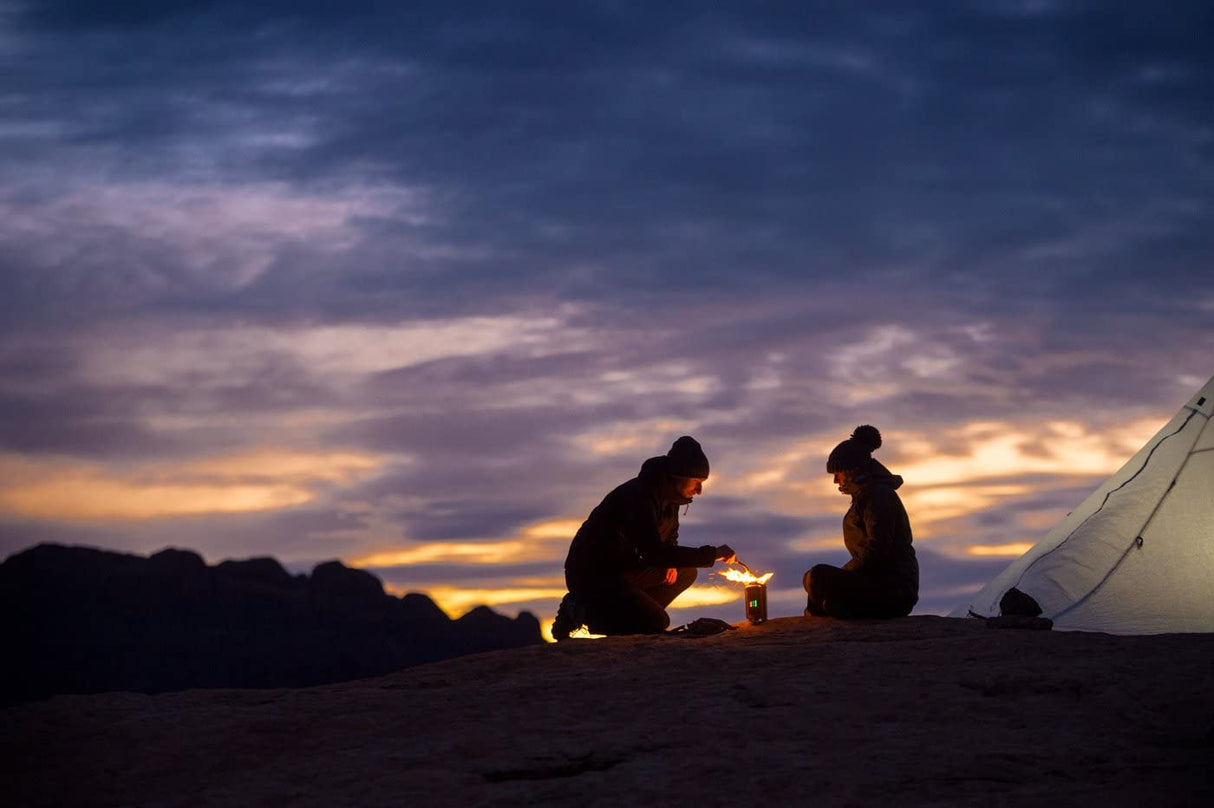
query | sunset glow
[415, 288]
[563, 529]
[623, 438]
[706, 595]
[257, 480]
[1007, 550]
[458, 600]
[995, 449]
[81, 496]
[501, 552]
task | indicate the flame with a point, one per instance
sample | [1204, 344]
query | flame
[743, 577]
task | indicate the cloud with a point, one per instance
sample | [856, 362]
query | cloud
[112, 247]
[337, 353]
[251, 481]
[408, 284]
[874, 138]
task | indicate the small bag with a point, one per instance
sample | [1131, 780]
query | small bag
[1018, 610]
[702, 627]
[1015, 603]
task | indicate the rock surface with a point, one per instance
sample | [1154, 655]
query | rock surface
[921, 711]
[82, 620]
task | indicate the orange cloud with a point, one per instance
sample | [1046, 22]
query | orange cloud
[633, 437]
[548, 538]
[558, 529]
[1013, 550]
[259, 480]
[83, 495]
[993, 449]
[708, 595]
[301, 467]
[458, 600]
[449, 552]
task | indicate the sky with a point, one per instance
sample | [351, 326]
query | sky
[414, 285]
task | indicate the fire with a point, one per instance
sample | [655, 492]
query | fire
[746, 577]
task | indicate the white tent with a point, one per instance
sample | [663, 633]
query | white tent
[1137, 556]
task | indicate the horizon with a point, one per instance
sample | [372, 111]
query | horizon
[414, 288]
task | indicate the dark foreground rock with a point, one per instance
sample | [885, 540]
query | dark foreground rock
[915, 712]
[82, 620]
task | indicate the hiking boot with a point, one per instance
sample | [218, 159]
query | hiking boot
[570, 616]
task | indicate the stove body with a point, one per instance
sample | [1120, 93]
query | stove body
[756, 603]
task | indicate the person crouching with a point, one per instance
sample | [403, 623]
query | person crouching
[625, 565]
[882, 577]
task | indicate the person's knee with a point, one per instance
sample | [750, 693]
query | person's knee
[687, 576]
[651, 614]
[627, 613]
[818, 574]
[645, 621]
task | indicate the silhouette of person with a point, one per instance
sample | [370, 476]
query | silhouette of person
[882, 577]
[625, 565]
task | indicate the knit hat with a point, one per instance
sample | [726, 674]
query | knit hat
[855, 453]
[686, 458]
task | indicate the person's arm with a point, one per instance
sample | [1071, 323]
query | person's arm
[723, 553]
[660, 554]
[653, 552]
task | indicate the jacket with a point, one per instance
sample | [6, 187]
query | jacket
[877, 533]
[635, 527]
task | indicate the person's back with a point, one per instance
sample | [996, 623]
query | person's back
[877, 534]
[882, 577]
[608, 544]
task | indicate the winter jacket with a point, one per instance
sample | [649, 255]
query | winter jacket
[877, 533]
[635, 527]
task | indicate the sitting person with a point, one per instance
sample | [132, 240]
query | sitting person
[882, 577]
[625, 565]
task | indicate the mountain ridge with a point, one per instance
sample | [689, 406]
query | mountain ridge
[85, 620]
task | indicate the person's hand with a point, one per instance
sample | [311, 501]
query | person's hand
[672, 575]
[725, 553]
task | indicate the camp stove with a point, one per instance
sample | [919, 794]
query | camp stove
[755, 597]
[756, 603]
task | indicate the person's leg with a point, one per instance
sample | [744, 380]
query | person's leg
[889, 603]
[627, 610]
[836, 592]
[663, 592]
[818, 582]
[638, 605]
[570, 616]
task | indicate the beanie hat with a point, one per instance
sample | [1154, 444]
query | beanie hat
[686, 458]
[855, 453]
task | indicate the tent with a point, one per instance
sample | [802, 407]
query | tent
[1136, 556]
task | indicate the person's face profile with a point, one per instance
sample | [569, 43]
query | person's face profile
[689, 487]
[846, 482]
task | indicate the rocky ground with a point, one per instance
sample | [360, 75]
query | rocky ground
[921, 711]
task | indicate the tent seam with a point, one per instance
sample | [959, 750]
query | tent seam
[1105, 501]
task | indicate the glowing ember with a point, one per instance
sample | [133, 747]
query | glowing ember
[583, 633]
[744, 577]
